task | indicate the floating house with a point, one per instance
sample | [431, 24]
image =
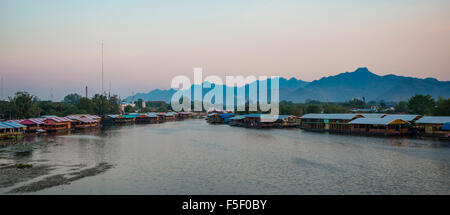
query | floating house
[33, 124]
[220, 118]
[433, 126]
[11, 129]
[84, 121]
[328, 122]
[171, 116]
[379, 126]
[237, 120]
[113, 119]
[52, 124]
[287, 121]
[184, 115]
[146, 118]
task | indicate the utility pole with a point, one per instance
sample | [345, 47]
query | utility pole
[103, 91]
[1, 83]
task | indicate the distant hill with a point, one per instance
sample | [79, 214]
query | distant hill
[343, 87]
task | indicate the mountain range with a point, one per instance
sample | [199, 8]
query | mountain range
[342, 87]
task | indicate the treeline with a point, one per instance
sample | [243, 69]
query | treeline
[418, 104]
[24, 105]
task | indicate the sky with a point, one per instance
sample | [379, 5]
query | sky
[47, 44]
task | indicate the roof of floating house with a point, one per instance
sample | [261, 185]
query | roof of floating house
[254, 115]
[114, 116]
[171, 114]
[238, 117]
[226, 115]
[405, 117]
[16, 120]
[129, 116]
[59, 119]
[433, 120]
[88, 116]
[446, 126]
[38, 121]
[373, 115]
[330, 116]
[11, 124]
[377, 121]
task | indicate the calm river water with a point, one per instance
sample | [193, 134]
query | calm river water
[193, 157]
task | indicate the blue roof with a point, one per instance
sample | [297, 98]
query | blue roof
[238, 117]
[11, 124]
[446, 126]
[226, 115]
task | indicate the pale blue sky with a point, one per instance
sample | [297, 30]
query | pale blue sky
[56, 44]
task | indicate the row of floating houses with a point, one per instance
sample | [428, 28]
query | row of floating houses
[14, 128]
[352, 123]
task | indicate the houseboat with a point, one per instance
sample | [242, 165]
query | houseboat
[237, 120]
[379, 126]
[433, 126]
[83, 122]
[220, 118]
[53, 124]
[328, 122]
[11, 129]
[34, 124]
[147, 118]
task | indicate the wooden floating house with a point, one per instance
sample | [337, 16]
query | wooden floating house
[170, 116]
[84, 121]
[147, 118]
[435, 126]
[33, 124]
[328, 122]
[11, 129]
[379, 126]
[184, 115]
[219, 118]
[53, 124]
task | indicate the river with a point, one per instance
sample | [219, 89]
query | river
[193, 157]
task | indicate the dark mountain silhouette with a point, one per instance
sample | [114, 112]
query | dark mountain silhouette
[342, 87]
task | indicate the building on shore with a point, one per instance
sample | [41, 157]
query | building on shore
[379, 126]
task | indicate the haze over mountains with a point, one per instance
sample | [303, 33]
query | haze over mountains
[342, 87]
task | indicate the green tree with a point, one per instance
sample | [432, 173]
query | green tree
[421, 104]
[23, 105]
[355, 103]
[401, 107]
[129, 109]
[442, 107]
[85, 105]
[101, 104]
[329, 108]
[72, 98]
[312, 108]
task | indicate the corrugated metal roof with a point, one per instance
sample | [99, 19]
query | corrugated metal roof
[11, 124]
[405, 117]
[226, 115]
[373, 121]
[113, 116]
[38, 121]
[59, 119]
[330, 116]
[239, 117]
[433, 120]
[16, 120]
[373, 115]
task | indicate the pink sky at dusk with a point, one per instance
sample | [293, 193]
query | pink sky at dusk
[56, 44]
